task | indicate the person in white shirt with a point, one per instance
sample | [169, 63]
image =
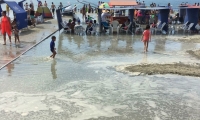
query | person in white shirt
[105, 23]
[78, 24]
[104, 16]
[78, 28]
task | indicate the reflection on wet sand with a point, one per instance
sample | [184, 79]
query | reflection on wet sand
[144, 60]
[188, 46]
[90, 46]
[160, 45]
[89, 88]
[114, 44]
[10, 67]
[53, 69]
[78, 40]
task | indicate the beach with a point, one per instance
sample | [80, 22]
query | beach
[99, 77]
[28, 38]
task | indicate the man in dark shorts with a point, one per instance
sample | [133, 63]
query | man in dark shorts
[53, 7]
[52, 46]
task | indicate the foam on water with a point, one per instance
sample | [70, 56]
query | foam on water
[108, 98]
[81, 83]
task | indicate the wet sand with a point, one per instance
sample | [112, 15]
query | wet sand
[28, 37]
[181, 37]
[194, 53]
[152, 69]
[80, 83]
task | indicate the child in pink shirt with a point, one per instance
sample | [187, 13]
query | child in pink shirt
[146, 37]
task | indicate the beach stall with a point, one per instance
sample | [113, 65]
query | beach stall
[122, 5]
[119, 7]
[163, 14]
[21, 14]
[191, 15]
[182, 13]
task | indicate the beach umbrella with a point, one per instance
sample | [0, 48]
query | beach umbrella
[104, 5]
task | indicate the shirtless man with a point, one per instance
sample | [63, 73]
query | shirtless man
[45, 4]
[26, 6]
[53, 7]
[84, 12]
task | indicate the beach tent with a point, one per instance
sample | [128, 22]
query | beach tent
[45, 11]
[59, 19]
[182, 12]
[21, 14]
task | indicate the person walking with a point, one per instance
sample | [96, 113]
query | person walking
[89, 8]
[45, 4]
[16, 33]
[146, 38]
[53, 7]
[84, 12]
[6, 27]
[61, 6]
[32, 16]
[52, 46]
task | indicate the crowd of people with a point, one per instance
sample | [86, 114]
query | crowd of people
[9, 26]
[74, 23]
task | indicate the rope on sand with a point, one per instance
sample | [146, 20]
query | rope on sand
[28, 49]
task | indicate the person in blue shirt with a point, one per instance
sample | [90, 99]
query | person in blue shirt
[52, 46]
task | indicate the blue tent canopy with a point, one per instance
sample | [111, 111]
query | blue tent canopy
[21, 14]
[21, 4]
[192, 16]
[15, 7]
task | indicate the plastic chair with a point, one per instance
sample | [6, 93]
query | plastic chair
[114, 26]
[79, 30]
[65, 27]
[197, 27]
[160, 28]
[189, 27]
[126, 29]
[138, 27]
[182, 27]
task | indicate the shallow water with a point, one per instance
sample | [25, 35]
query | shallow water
[81, 82]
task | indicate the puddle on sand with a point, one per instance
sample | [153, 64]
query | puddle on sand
[80, 83]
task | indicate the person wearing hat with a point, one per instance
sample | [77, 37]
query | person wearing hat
[69, 22]
[89, 27]
[73, 23]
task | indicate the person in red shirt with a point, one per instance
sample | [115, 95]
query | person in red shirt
[146, 37]
[6, 27]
